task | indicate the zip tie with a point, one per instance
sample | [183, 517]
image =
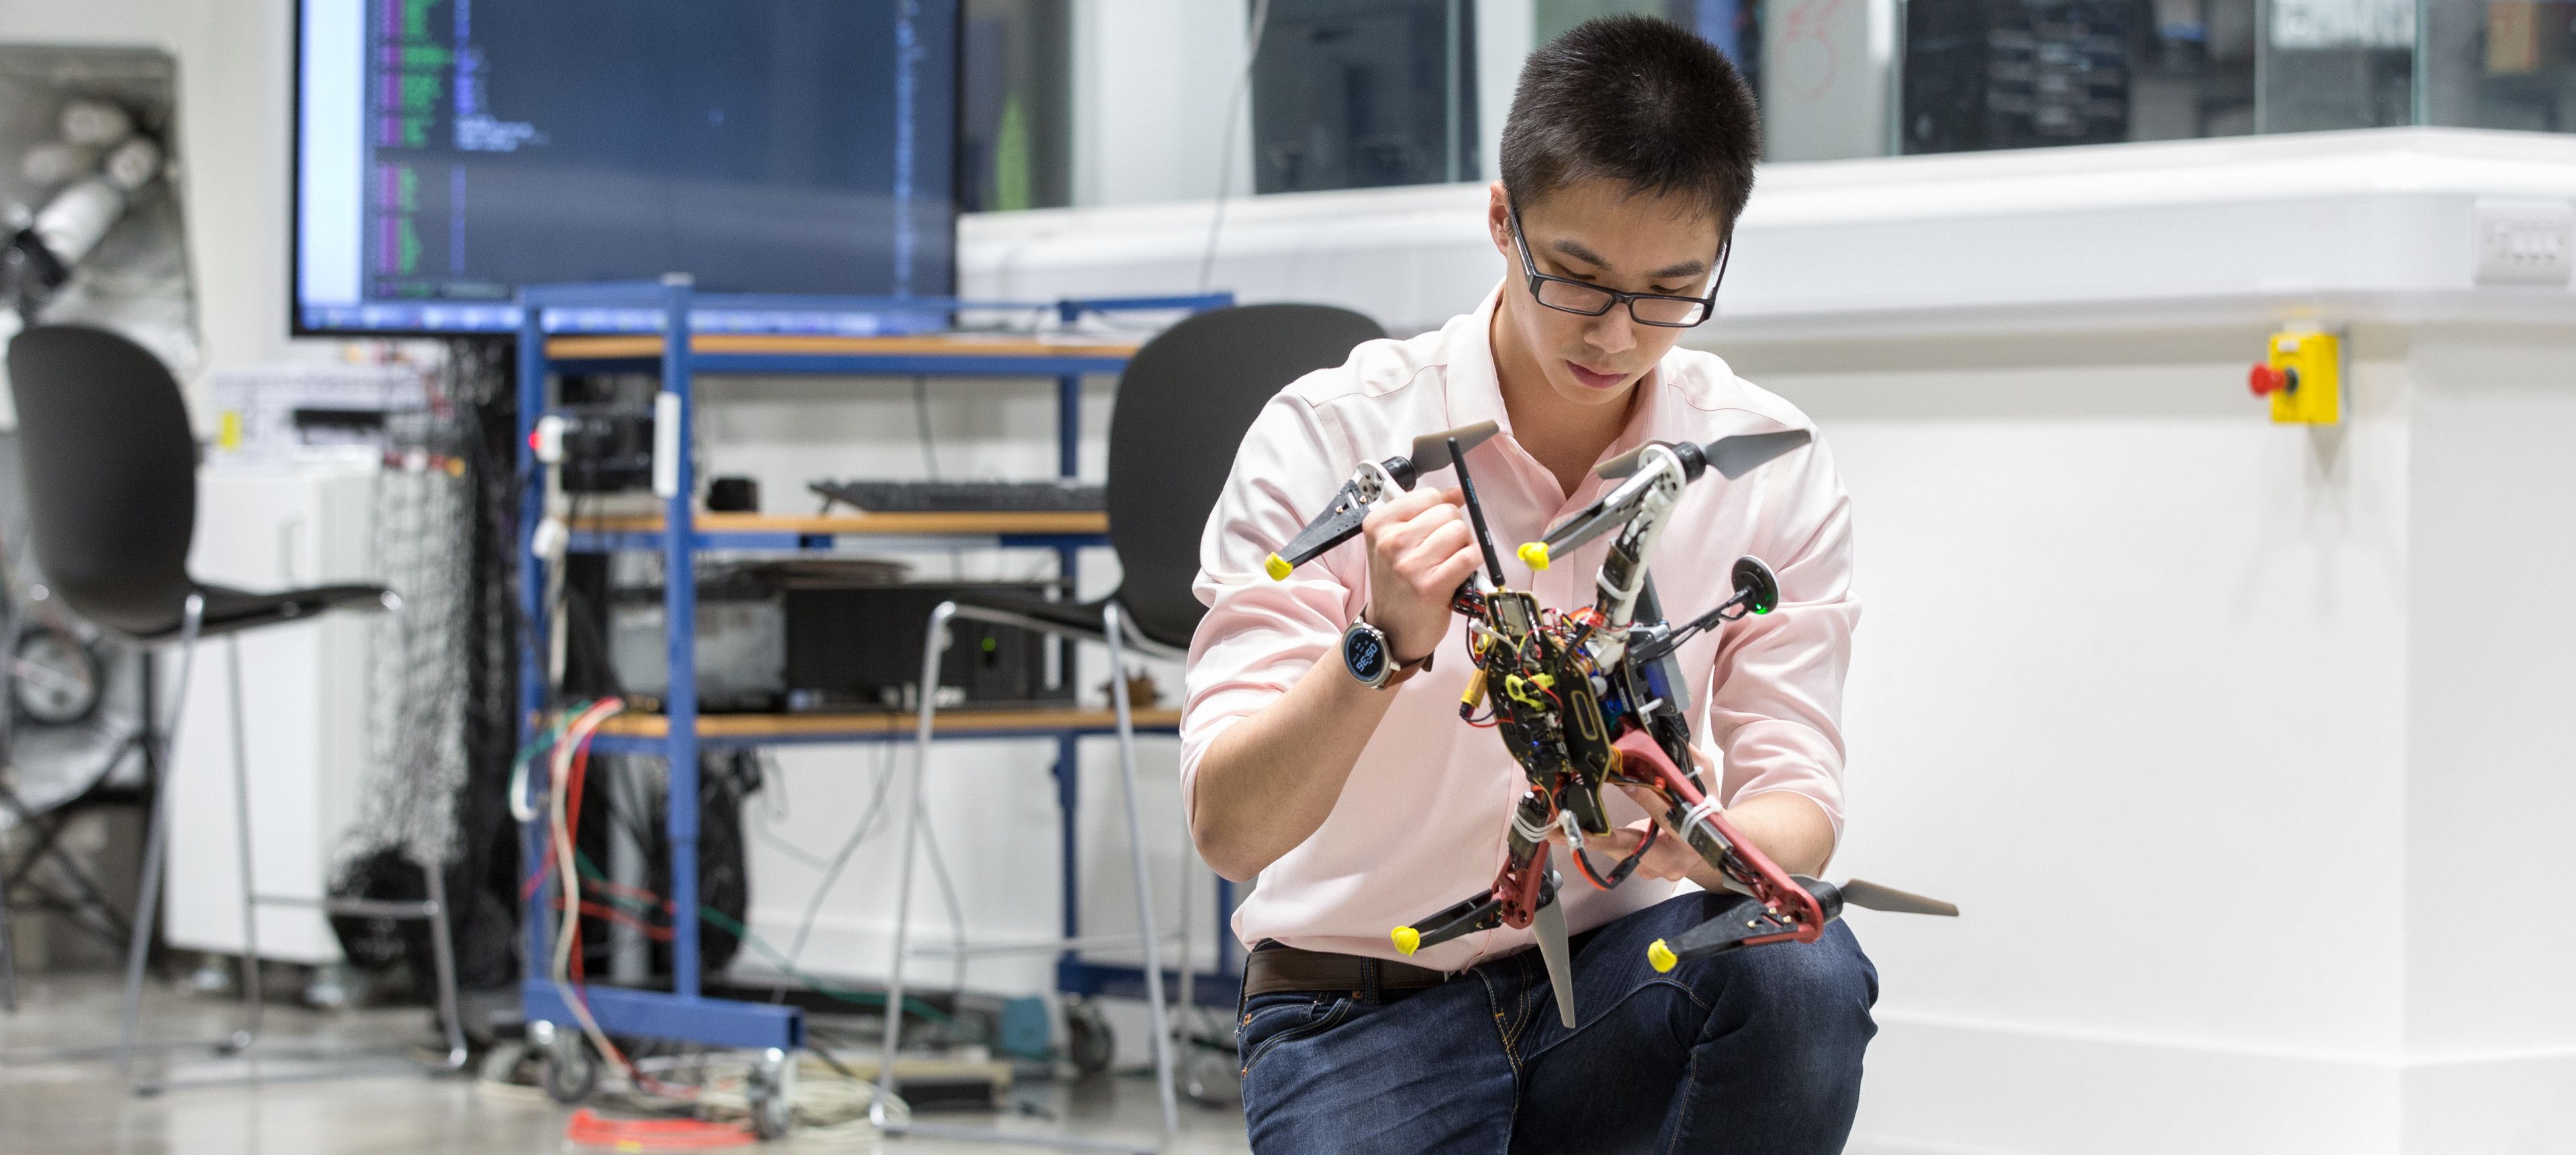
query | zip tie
[1700, 810]
[1521, 826]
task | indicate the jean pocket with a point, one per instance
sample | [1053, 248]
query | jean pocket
[1268, 1028]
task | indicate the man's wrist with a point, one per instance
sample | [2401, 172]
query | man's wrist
[1372, 659]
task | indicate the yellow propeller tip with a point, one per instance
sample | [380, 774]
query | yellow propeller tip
[1662, 957]
[1277, 567]
[1407, 939]
[1535, 553]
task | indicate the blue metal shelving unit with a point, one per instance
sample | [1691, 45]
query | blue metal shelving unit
[668, 309]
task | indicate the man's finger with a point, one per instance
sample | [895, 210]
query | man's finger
[1648, 801]
[1451, 574]
[1394, 539]
[1439, 545]
[1404, 505]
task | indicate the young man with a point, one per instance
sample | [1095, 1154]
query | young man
[1627, 158]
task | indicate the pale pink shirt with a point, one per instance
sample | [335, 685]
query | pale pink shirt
[1421, 821]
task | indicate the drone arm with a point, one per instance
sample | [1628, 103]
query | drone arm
[1644, 493]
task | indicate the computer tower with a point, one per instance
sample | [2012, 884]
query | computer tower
[858, 647]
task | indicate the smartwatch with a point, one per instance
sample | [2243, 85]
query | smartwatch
[1365, 653]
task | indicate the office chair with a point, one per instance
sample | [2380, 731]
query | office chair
[110, 473]
[1184, 404]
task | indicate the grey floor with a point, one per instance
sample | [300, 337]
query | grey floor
[76, 1106]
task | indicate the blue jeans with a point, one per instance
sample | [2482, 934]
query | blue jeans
[1755, 1050]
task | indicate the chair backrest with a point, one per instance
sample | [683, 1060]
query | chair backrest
[1183, 407]
[110, 475]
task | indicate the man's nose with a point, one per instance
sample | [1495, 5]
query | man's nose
[1611, 332]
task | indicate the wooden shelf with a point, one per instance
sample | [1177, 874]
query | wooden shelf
[606, 348]
[981, 524]
[958, 721]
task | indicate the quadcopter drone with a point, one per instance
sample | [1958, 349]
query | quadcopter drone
[1589, 698]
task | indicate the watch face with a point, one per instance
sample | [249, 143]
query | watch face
[1364, 651]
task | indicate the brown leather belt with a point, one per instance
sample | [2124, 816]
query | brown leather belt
[1273, 969]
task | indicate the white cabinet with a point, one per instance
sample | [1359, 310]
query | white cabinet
[304, 709]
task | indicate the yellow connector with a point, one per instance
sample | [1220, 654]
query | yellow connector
[2303, 375]
[1662, 958]
[1277, 567]
[1407, 939]
[1519, 689]
[1535, 553]
[1475, 690]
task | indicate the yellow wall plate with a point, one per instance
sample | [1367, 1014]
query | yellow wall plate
[2316, 397]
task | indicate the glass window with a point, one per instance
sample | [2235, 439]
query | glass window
[2501, 64]
[1983, 74]
[1361, 93]
[1734, 26]
[2337, 64]
[1013, 129]
[1980, 74]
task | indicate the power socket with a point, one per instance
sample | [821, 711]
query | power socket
[2525, 242]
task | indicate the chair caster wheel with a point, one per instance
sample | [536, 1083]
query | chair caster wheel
[772, 1093]
[1088, 1040]
[567, 1071]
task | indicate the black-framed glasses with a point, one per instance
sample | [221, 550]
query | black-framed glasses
[1590, 300]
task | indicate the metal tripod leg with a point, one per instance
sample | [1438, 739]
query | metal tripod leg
[1183, 1009]
[933, 644]
[442, 952]
[252, 995]
[148, 891]
[8, 944]
[1115, 620]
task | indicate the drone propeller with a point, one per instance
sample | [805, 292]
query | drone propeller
[1872, 896]
[1350, 505]
[1431, 450]
[1733, 456]
[1547, 923]
[1748, 924]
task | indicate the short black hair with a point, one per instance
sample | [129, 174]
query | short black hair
[1639, 101]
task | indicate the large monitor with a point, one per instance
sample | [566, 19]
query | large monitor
[449, 151]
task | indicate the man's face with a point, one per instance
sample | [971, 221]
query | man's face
[1595, 231]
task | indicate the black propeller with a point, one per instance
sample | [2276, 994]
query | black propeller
[1733, 456]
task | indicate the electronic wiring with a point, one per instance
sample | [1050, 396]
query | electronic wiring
[571, 754]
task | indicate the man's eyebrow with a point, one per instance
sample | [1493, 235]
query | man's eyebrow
[1576, 249]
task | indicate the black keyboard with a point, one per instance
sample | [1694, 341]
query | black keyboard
[964, 496]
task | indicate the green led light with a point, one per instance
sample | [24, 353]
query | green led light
[991, 645]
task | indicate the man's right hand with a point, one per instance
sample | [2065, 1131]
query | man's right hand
[1420, 549]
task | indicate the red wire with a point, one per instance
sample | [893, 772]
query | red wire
[612, 914]
[1584, 866]
[573, 783]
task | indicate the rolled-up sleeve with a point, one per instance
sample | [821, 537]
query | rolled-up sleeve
[1259, 635]
[1776, 698]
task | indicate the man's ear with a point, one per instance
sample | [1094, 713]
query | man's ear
[1498, 218]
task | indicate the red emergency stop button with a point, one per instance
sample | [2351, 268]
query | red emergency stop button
[2265, 379]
